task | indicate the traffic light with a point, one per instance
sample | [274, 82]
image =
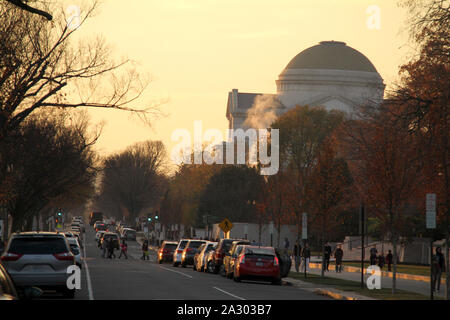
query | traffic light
[156, 215]
[149, 219]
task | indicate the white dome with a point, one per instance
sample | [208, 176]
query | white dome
[330, 74]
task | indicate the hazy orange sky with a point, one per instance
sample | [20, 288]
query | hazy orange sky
[198, 50]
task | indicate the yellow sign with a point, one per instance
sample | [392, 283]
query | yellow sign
[226, 225]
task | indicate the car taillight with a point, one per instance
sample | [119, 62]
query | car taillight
[242, 260]
[275, 261]
[65, 256]
[179, 251]
[11, 256]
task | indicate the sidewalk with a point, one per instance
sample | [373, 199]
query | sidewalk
[411, 285]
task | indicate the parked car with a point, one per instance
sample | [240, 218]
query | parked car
[187, 257]
[230, 258]
[179, 251]
[165, 253]
[285, 262]
[76, 250]
[39, 259]
[200, 256]
[7, 289]
[257, 263]
[209, 264]
[114, 237]
[223, 247]
[2, 247]
[129, 234]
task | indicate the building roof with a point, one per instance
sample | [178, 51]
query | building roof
[334, 55]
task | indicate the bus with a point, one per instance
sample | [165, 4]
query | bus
[95, 216]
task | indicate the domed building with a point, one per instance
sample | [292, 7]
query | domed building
[330, 74]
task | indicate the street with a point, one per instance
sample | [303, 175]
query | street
[135, 279]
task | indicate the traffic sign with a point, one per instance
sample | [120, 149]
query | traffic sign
[431, 210]
[305, 226]
[226, 225]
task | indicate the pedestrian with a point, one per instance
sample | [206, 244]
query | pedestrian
[111, 247]
[286, 244]
[306, 256]
[338, 255]
[381, 260]
[327, 255]
[373, 255]
[296, 254]
[104, 247]
[389, 259]
[124, 248]
[145, 250]
[438, 266]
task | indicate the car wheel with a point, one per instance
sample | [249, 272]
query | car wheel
[194, 268]
[216, 269]
[236, 279]
[159, 261]
[175, 264]
[209, 267]
[222, 270]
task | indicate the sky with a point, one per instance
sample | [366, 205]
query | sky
[196, 51]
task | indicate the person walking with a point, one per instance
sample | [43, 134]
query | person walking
[306, 255]
[296, 254]
[123, 249]
[286, 244]
[389, 259]
[438, 266]
[111, 247]
[381, 260]
[145, 250]
[338, 255]
[327, 255]
[104, 247]
[373, 255]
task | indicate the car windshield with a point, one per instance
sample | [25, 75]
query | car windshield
[182, 244]
[259, 251]
[226, 245]
[75, 250]
[195, 244]
[37, 245]
[171, 246]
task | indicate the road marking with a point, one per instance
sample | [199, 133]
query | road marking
[184, 274]
[230, 294]
[91, 296]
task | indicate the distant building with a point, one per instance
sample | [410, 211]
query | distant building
[330, 74]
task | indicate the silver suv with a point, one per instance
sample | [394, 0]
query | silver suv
[39, 259]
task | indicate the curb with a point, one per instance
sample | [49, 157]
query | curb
[388, 274]
[334, 295]
[329, 292]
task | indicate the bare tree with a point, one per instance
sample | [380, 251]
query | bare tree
[133, 180]
[24, 6]
[52, 161]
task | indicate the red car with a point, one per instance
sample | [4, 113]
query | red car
[257, 263]
[165, 253]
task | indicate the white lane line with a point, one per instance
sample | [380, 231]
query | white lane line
[91, 296]
[230, 294]
[184, 274]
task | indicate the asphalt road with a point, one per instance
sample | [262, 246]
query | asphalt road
[135, 279]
